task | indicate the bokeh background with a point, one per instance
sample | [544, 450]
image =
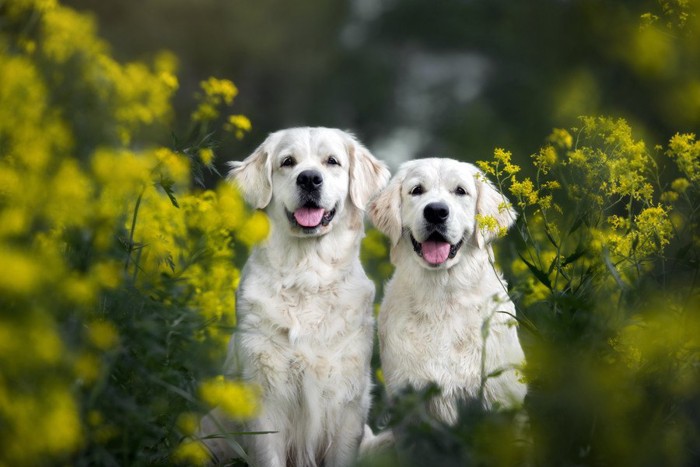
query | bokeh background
[121, 245]
[451, 78]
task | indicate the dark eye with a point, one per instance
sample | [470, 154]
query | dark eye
[459, 191]
[332, 161]
[288, 162]
[416, 190]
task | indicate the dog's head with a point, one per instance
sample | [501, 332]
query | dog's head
[308, 178]
[432, 206]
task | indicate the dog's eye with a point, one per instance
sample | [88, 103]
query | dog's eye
[459, 191]
[288, 162]
[416, 190]
[332, 161]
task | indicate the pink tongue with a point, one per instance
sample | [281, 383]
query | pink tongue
[435, 252]
[308, 217]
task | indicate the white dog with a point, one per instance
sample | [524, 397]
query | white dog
[304, 306]
[446, 317]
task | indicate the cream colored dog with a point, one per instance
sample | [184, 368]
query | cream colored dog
[304, 306]
[446, 317]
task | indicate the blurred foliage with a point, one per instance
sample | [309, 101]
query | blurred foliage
[118, 274]
[604, 265]
[413, 78]
[118, 277]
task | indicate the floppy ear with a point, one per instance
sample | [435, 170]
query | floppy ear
[492, 203]
[253, 176]
[368, 175]
[385, 210]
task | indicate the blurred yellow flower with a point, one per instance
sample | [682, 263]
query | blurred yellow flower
[191, 452]
[206, 155]
[239, 125]
[102, 334]
[561, 138]
[255, 229]
[545, 159]
[238, 400]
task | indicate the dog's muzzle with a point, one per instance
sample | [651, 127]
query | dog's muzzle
[435, 249]
[310, 217]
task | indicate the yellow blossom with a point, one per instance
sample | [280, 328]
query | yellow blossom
[685, 151]
[561, 138]
[255, 229]
[489, 224]
[679, 185]
[187, 423]
[191, 452]
[239, 125]
[206, 155]
[239, 401]
[545, 159]
[525, 192]
[103, 335]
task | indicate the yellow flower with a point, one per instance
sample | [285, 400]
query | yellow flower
[685, 150]
[679, 185]
[103, 335]
[255, 229]
[219, 90]
[561, 138]
[239, 125]
[187, 423]
[525, 192]
[87, 367]
[545, 159]
[20, 273]
[239, 401]
[501, 166]
[191, 452]
[489, 224]
[206, 155]
[379, 374]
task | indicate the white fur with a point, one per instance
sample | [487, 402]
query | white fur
[304, 306]
[437, 323]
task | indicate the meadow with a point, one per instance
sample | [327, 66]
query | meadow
[119, 261]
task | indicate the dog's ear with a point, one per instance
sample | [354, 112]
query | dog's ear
[253, 176]
[491, 203]
[368, 175]
[385, 210]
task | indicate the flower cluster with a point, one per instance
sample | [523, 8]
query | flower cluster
[118, 279]
[603, 278]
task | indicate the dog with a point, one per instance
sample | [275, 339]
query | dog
[446, 317]
[305, 324]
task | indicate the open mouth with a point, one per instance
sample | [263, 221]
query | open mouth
[310, 216]
[435, 250]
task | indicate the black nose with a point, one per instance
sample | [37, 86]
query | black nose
[310, 180]
[436, 213]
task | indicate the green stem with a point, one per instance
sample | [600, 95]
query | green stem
[130, 244]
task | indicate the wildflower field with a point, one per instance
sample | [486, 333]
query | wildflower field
[119, 264]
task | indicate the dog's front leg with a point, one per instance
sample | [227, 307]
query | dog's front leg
[267, 450]
[345, 444]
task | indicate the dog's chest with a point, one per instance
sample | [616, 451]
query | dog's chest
[291, 336]
[428, 344]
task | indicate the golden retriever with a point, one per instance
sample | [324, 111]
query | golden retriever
[446, 317]
[304, 306]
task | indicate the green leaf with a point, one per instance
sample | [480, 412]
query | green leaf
[167, 185]
[538, 273]
[573, 256]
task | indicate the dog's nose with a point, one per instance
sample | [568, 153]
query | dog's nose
[436, 213]
[310, 180]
